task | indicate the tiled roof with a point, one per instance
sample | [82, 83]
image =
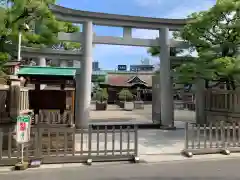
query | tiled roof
[123, 79]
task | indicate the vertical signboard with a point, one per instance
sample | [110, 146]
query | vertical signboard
[23, 129]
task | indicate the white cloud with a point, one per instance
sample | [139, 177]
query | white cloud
[145, 33]
[185, 9]
[182, 10]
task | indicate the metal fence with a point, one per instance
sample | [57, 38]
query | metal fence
[24, 99]
[216, 137]
[53, 117]
[70, 145]
[222, 104]
[222, 100]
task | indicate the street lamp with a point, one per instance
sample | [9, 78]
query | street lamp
[24, 27]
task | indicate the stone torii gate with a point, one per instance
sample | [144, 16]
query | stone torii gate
[87, 39]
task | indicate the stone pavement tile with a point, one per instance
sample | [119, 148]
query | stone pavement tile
[51, 166]
[160, 141]
[6, 169]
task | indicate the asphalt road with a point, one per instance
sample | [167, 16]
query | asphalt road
[178, 170]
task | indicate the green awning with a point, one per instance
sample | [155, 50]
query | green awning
[28, 71]
[46, 71]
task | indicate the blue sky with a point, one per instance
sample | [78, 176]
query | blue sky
[110, 56]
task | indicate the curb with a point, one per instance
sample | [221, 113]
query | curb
[7, 169]
[145, 159]
[155, 159]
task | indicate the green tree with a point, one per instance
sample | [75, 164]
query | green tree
[155, 51]
[215, 35]
[3, 53]
[101, 95]
[70, 28]
[125, 95]
[30, 12]
[43, 26]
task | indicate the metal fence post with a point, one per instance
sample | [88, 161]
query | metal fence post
[136, 140]
[223, 134]
[205, 135]
[186, 136]
[1, 144]
[89, 160]
[234, 134]
[36, 143]
[210, 135]
[228, 135]
[136, 158]
[40, 135]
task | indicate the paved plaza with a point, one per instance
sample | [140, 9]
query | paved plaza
[117, 115]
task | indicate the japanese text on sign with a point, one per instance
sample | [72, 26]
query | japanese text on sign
[23, 129]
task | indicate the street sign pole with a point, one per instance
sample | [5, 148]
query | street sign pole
[22, 156]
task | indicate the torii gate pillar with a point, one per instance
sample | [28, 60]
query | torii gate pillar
[83, 80]
[166, 92]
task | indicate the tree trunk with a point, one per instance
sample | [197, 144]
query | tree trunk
[206, 84]
[228, 85]
[232, 83]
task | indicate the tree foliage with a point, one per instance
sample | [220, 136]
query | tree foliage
[43, 25]
[125, 95]
[101, 95]
[215, 35]
[155, 51]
